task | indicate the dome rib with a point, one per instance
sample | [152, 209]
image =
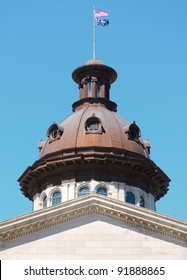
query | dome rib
[78, 129]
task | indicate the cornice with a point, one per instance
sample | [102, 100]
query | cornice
[94, 158]
[143, 220]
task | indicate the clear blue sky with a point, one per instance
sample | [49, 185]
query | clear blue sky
[43, 41]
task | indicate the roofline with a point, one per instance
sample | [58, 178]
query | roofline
[127, 214]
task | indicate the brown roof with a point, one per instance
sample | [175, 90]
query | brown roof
[113, 135]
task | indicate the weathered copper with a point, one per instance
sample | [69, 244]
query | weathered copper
[94, 143]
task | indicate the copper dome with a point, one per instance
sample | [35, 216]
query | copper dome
[113, 130]
[94, 142]
[112, 133]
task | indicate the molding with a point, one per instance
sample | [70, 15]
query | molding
[101, 164]
[143, 220]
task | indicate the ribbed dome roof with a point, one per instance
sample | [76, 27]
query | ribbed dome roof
[94, 142]
[112, 132]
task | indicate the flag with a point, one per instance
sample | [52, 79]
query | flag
[100, 13]
[102, 22]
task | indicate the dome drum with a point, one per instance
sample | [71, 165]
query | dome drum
[96, 164]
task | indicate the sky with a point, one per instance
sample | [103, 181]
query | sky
[43, 41]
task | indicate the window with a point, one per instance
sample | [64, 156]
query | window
[134, 132]
[93, 125]
[84, 191]
[130, 198]
[54, 132]
[45, 202]
[142, 201]
[102, 191]
[56, 197]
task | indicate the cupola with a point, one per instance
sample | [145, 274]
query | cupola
[94, 80]
[94, 150]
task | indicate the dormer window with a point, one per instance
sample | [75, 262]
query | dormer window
[93, 125]
[134, 132]
[54, 132]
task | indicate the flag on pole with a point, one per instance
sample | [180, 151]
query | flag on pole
[100, 13]
[98, 21]
[102, 22]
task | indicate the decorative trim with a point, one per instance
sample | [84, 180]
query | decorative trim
[143, 220]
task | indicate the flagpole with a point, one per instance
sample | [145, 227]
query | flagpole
[94, 34]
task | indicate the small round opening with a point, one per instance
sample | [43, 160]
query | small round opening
[93, 124]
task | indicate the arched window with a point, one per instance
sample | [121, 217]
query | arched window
[45, 202]
[130, 198]
[142, 201]
[84, 191]
[102, 191]
[56, 197]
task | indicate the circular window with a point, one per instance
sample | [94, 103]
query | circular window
[54, 132]
[93, 125]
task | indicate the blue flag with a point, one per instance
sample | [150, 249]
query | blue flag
[102, 22]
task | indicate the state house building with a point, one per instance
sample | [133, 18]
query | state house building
[94, 187]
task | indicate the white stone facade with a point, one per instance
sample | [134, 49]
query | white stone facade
[93, 227]
[71, 190]
[93, 238]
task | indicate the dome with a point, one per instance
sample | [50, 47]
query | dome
[94, 143]
[93, 126]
